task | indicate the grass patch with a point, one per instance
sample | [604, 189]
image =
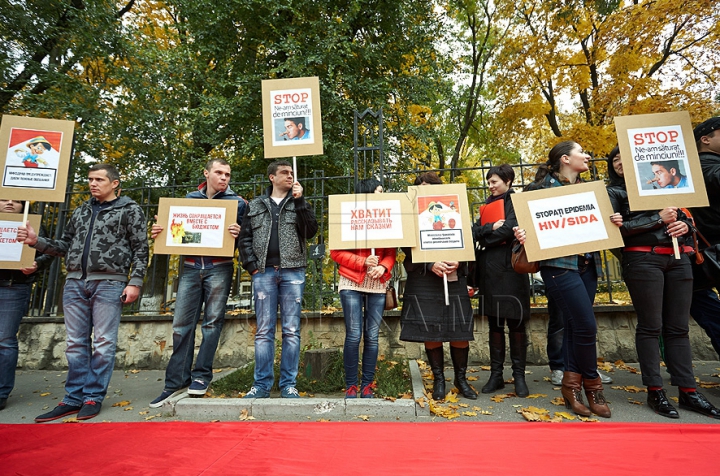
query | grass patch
[392, 378]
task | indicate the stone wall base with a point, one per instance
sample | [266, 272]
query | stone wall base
[145, 342]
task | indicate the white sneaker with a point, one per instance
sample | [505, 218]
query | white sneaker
[556, 377]
[604, 378]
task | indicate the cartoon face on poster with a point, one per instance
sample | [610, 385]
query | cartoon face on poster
[660, 161]
[291, 117]
[440, 222]
[35, 157]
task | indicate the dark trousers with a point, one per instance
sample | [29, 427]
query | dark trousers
[705, 309]
[661, 290]
[574, 292]
[555, 349]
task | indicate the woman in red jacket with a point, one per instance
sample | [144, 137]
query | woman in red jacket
[362, 285]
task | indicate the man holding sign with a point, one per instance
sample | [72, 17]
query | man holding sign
[274, 252]
[106, 254]
[205, 281]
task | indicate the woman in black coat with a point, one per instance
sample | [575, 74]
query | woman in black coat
[504, 294]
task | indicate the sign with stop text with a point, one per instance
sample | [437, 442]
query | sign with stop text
[660, 161]
[14, 255]
[444, 227]
[568, 220]
[373, 220]
[292, 123]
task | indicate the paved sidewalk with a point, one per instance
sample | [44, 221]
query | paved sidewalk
[131, 391]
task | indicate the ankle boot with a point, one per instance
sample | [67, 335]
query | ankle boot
[572, 393]
[518, 356]
[460, 358]
[437, 365]
[596, 400]
[497, 358]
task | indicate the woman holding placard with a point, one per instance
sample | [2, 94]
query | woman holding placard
[363, 281]
[661, 287]
[426, 318]
[504, 294]
[572, 282]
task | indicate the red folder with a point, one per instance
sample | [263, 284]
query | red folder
[492, 212]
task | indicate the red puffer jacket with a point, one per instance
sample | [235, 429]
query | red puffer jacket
[352, 262]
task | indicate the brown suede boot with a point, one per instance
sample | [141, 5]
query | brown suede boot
[572, 393]
[596, 399]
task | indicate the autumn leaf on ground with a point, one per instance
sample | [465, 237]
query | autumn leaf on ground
[536, 395]
[634, 402]
[364, 417]
[124, 403]
[588, 419]
[630, 388]
[538, 414]
[421, 401]
[45, 394]
[148, 418]
[559, 401]
[451, 398]
[441, 411]
[501, 398]
[127, 409]
[623, 366]
[405, 395]
[471, 378]
[454, 407]
[389, 398]
[143, 413]
[134, 371]
[463, 405]
[566, 415]
[485, 367]
[709, 384]
[70, 420]
[322, 420]
[245, 415]
[675, 399]
[471, 370]
[605, 366]
[469, 413]
[476, 408]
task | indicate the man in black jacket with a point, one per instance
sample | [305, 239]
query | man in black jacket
[705, 308]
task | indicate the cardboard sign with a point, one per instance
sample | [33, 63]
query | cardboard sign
[444, 227]
[14, 255]
[373, 220]
[196, 227]
[292, 123]
[660, 161]
[568, 220]
[35, 158]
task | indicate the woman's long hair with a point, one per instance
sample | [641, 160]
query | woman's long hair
[613, 178]
[553, 163]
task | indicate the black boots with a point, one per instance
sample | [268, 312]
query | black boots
[497, 358]
[460, 359]
[518, 355]
[437, 365]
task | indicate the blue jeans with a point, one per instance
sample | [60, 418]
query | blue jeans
[90, 307]
[272, 287]
[357, 321]
[705, 309]
[197, 286]
[555, 337]
[14, 301]
[574, 294]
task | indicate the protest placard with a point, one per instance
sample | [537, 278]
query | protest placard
[196, 227]
[292, 121]
[660, 161]
[35, 158]
[569, 220]
[14, 255]
[444, 227]
[365, 221]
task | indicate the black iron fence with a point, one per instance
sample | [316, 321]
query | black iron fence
[321, 285]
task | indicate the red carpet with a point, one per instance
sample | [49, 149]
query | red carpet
[186, 448]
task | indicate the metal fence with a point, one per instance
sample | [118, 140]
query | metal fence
[321, 284]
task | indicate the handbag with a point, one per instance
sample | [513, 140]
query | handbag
[519, 260]
[390, 298]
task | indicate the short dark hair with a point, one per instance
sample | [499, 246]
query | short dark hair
[668, 164]
[504, 171]
[428, 177]
[272, 168]
[112, 172]
[211, 162]
[298, 121]
[368, 185]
